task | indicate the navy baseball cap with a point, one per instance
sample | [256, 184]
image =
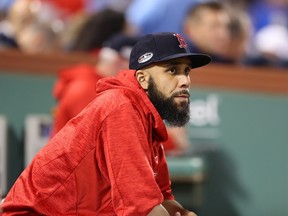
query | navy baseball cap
[158, 47]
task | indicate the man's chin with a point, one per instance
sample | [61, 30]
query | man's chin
[182, 106]
[181, 100]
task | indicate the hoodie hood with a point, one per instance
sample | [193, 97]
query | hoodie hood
[67, 76]
[126, 81]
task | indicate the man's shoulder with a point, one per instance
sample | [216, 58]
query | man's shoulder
[116, 97]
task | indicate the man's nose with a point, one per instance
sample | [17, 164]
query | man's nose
[184, 81]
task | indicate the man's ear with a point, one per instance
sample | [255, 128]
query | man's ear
[142, 78]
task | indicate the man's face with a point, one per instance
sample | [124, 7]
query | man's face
[168, 89]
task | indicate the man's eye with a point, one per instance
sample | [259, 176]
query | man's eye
[187, 70]
[172, 70]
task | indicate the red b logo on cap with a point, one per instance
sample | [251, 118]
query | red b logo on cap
[182, 42]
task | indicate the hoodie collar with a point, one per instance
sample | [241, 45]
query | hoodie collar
[128, 80]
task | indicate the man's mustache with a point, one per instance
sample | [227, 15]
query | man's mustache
[182, 92]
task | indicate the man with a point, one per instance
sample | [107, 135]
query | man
[75, 86]
[109, 160]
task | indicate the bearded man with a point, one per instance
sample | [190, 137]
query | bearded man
[109, 159]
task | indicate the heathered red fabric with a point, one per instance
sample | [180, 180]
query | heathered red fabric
[108, 160]
[73, 90]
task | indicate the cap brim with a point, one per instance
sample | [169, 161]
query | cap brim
[197, 59]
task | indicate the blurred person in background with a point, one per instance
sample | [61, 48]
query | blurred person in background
[18, 15]
[225, 31]
[32, 25]
[206, 27]
[98, 28]
[37, 38]
[75, 86]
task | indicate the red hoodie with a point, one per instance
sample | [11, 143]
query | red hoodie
[73, 90]
[108, 160]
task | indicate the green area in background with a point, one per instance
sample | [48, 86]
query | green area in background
[21, 95]
[248, 157]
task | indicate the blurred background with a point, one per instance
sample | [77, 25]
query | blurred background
[231, 159]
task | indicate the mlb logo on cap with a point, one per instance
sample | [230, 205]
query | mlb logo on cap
[163, 46]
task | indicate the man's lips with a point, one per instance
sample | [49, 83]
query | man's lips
[182, 94]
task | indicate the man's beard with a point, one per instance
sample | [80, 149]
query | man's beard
[174, 115]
